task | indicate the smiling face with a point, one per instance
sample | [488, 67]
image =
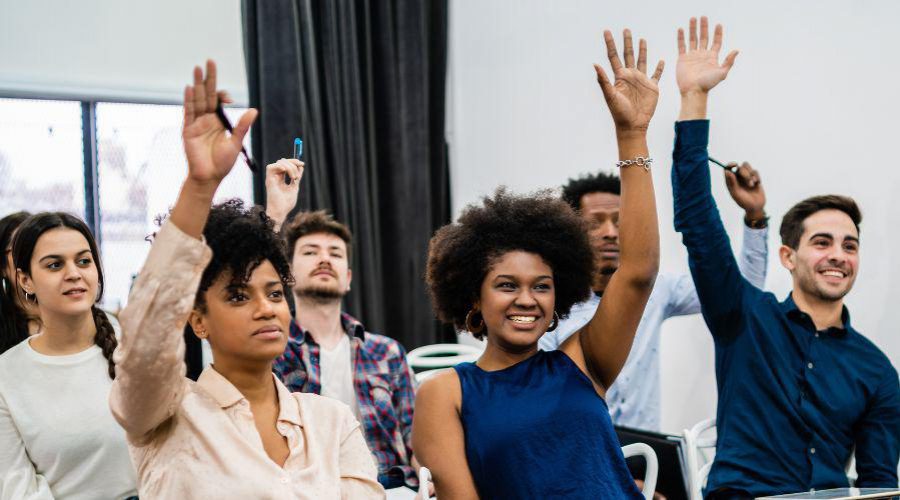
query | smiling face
[826, 261]
[320, 266]
[245, 322]
[63, 275]
[517, 300]
[601, 211]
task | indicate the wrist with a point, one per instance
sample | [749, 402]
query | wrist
[200, 188]
[693, 105]
[756, 218]
[631, 133]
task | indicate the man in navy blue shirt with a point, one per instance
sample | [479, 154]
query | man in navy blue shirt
[799, 389]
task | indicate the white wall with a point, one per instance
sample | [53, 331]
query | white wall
[118, 50]
[811, 102]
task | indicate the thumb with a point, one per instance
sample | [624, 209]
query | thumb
[729, 61]
[730, 180]
[242, 127]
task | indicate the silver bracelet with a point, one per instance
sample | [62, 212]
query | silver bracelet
[638, 160]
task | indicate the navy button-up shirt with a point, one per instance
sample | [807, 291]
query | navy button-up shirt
[793, 401]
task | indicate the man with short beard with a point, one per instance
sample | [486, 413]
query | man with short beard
[330, 353]
[798, 387]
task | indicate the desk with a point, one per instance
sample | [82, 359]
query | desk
[845, 494]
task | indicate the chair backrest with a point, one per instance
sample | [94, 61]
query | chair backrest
[697, 461]
[644, 450]
[424, 484]
[442, 355]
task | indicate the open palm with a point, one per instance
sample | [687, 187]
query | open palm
[210, 150]
[698, 68]
[632, 98]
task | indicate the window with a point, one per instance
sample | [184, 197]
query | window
[140, 166]
[41, 160]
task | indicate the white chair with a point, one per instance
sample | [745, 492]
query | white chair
[644, 450]
[632, 450]
[421, 376]
[697, 458]
[442, 355]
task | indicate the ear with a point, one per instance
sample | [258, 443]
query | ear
[198, 324]
[787, 256]
[349, 278]
[25, 282]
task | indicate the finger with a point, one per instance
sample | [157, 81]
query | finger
[704, 33]
[188, 105]
[605, 85]
[730, 180]
[729, 61]
[681, 47]
[225, 97]
[717, 38]
[693, 34]
[611, 52]
[629, 48]
[242, 127]
[199, 92]
[752, 175]
[659, 71]
[211, 94]
[642, 56]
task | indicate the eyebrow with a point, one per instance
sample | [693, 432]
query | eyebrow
[510, 277]
[315, 245]
[60, 257]
[831, 237]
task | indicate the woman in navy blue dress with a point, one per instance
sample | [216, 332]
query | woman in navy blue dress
[523, 423]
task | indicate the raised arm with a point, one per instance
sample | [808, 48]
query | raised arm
[746, 190]
[717, 278]
[150, 369]
[281, 196]
[606, 340]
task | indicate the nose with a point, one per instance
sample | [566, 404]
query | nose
[526, 299]
[606, 230]
[72, 273]
[264, 308]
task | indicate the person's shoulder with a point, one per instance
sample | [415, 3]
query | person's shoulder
[384, 346]
[321, 406]
[14, 354]
[872, 353]
[443, 385]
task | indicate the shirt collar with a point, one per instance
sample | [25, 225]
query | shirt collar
[227, 395]
[351, 325]
[790, 309]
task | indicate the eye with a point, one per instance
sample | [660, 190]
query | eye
[236, 297]
[85, 261]
[54, 265]
[821, 243]
[851, 247]
[276, 294]
[543, 286]
[337, 255]
[308, 252]
[506, 285]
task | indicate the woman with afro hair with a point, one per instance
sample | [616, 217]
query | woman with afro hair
[524, 423]
[237, 432]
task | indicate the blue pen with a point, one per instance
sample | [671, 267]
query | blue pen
[298, 148]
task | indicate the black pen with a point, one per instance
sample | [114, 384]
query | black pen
[220, 112]
[733, 168]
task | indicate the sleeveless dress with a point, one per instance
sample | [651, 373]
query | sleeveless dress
[538, 429]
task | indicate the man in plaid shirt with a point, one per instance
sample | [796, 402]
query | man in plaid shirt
[333, 355]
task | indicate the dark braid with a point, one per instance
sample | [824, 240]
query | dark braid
[105, 338]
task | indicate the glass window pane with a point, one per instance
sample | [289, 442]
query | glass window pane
[141, 167]
[41, 156]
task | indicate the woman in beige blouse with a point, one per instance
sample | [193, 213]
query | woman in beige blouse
[237, 432]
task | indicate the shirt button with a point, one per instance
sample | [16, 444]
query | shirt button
[284, 480]
[817, 334]
[810, 366]
[812, 451]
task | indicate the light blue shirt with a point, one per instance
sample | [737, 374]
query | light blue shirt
[634, 398]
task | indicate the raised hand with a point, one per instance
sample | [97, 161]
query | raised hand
[746, 190]
[281, 197]
[632, 98]
[698, 69]
[210, 150]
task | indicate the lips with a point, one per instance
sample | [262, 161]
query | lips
[268, 333]
[77, 292]
[833, 273]
[324, 272]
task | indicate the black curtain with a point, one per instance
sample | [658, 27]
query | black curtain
[362, 82]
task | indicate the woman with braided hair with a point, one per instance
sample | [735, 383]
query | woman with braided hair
[58, 438]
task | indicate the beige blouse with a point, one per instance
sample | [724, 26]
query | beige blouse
[198, 440]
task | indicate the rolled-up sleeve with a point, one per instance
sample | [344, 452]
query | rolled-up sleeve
[150, 372]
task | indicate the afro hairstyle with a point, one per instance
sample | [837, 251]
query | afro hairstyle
[461, 254]
[601, 182]
[241, 239]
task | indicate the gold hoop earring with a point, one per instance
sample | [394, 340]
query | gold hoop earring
[554, 323]
[471, 327]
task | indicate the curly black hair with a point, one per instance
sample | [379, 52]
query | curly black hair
[461, 254]
[601, 182]
[241, 239]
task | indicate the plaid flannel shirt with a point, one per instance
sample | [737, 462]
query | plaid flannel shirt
[384, 390]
